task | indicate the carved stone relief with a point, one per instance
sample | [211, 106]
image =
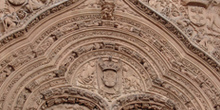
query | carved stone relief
[106, 61]
[108, 46]
[138, 102]
[198, 19]
[109, 77]
[67, 107]
[15, 13]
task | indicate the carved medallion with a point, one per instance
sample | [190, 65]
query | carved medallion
[17, 2]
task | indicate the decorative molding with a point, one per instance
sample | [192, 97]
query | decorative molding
[104, 59]
[172, 28]
[19, 27]
[139, 5]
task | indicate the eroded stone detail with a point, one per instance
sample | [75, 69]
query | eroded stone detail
[197, 19]
[109, 77]
[139, 101]
[108, 61]
[107, 8]
[18, 13]
[68, 107]
[68, 95]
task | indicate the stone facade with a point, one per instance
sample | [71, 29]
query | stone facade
[109, 55]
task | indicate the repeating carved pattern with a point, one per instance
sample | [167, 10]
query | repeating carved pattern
[75, 96]
[104, 61]
[179, 35]
[15, 13]
[152, 2]
[139, 101]
[195, 18]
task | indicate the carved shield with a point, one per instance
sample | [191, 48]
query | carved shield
[197, 15]
[109, 78]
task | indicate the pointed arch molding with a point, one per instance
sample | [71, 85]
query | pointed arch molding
[133, 64]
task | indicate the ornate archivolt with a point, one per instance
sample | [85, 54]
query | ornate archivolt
[98, 55]
[198, 19]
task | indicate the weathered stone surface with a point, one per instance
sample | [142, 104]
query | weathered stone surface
[109, 55]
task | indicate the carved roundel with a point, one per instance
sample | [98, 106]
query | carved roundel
[17, 2]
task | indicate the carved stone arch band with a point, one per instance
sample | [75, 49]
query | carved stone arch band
[67, 98]
[109, 54]
[147, 101]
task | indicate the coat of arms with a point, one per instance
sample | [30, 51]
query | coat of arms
[109, 76]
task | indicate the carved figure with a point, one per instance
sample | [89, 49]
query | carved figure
[6, 72]
[60, 72]
[45, 45]
[21, 14]
[69, 27]
[107, 10]
[157, 4]
[214, 16]
[197, 15]
[86, 77]
[10, 21]
[33, 5]
[2, 77]
[89, 23]
[130, 82]
[206, 42]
